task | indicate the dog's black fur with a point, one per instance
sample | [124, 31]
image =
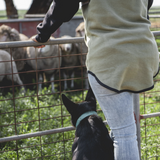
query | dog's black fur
[92, 140]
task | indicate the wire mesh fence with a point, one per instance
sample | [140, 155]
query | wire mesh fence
[150, 103]
[37, 106]
[32, 116]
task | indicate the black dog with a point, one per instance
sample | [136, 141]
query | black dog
[92, 140]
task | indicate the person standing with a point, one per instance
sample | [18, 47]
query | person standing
[122, 59]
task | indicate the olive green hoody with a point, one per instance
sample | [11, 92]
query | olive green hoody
[123, 54]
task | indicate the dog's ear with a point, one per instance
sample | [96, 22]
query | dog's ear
[90, 96]
[70, 106]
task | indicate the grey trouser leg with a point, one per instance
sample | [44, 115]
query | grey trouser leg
[118, 110]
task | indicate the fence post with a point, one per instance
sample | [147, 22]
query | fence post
[137, 114]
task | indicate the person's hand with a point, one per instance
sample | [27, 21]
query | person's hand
[40, 46]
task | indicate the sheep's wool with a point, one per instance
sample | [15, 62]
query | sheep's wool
[123, 53]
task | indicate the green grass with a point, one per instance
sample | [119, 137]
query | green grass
[33, 119]
[155, 9]
[22, 13]
[3, 14]
[45, 113]
[42, 114]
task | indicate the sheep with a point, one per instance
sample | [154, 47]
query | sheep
[49, 65]
[8, 34]
[68, 60]
[80, 32]
[7, 68]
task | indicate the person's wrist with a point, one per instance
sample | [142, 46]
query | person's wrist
[35, 40]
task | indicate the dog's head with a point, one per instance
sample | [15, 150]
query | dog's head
[76, 110]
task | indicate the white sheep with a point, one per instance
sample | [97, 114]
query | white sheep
[8, 34]
[68, 60]
[7, 68]
[80, 32]
[48, 65]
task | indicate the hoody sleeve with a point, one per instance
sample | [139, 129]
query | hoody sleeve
[60, 11]
[150, 2]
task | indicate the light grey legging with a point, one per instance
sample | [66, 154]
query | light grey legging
[118, 111]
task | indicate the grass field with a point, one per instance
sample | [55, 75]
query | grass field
[49, 110]
[22, 13]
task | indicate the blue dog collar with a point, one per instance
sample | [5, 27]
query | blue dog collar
[84, 116]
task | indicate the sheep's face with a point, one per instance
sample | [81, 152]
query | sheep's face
[80, 33]
[66, 48]
[4, 33]
[3, 37]
[8, 34]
